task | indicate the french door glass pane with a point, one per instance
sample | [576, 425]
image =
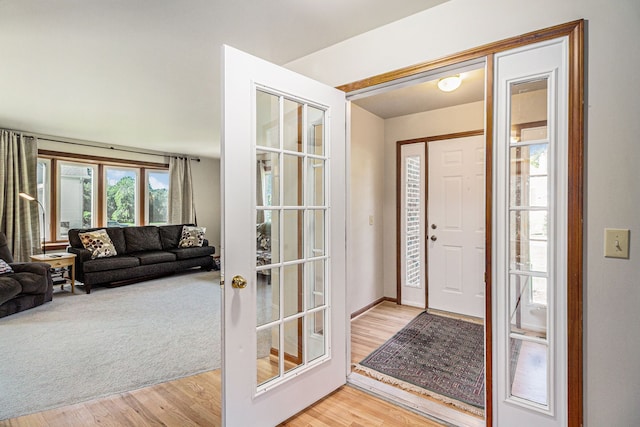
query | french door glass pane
[529, 183]
[315, 123]
[315, 335]
[292, 180]
[530, 176]
[291, 228]
[315, 179]
[529, 371]
[77, 186]
[293, 344]
[267, 120]
[122, 197]
[268, 296]
[267, 179]
[292, 289]
[292, 124]
[529, 246]
[527, 318]
[268, 341]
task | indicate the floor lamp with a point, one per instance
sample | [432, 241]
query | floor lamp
[33, 199]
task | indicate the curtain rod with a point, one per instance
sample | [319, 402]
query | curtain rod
[175, 156]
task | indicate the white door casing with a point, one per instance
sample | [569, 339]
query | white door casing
[530, 236]
[412, 224]
[456, 209]
[243, 403]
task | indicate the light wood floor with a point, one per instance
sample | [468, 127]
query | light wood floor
[195, 400]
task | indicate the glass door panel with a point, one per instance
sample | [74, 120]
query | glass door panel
[529, 234]
[291, 232]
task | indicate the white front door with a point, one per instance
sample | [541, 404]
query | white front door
[456, 225]
[530, 235]
[412, 224]
[283, 250]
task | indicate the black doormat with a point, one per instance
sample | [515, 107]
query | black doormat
[437, 356]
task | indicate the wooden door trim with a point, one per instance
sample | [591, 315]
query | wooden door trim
[575, 257]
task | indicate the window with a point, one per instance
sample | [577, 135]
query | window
[157, 197]
[122, 196]
[77, 189]
[99, 192]
[44, 191]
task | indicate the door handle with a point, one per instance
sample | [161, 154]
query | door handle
[433, 238]
[238, 282]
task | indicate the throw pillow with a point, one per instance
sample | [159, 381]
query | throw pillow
[99, 243]
[4, 267]
[192, 236]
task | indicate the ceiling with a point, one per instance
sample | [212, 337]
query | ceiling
[146, 73]
[425, 96]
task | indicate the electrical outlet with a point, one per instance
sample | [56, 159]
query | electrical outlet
[616, 243]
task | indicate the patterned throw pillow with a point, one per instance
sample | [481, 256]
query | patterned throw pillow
[4, 267]
[99, 243]
[192, 236]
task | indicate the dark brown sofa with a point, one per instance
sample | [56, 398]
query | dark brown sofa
[29, 285]
[142, 252]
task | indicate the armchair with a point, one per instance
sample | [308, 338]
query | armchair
[28, 286]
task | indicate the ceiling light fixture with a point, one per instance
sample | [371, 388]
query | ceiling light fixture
[449, 84]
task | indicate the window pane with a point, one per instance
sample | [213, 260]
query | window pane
[44, 194]
[529, 371]
[157, 197]
[292, 125]
[77, 190]
[527, 318]
[529, 175]
[122, 197]
[267, 122]
[528, 240]
[529, 105]
[315, 124]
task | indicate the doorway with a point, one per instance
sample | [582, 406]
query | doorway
[444, 116]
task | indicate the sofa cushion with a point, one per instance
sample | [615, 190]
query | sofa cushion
[9, 288]
[185, 253]
[4, 267]
[192, 236]
[99, 243]
[113, 263]
[32, 283]
[170, 235]
[146, 238]
[154, 257]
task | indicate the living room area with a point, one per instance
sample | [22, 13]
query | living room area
[86, 334]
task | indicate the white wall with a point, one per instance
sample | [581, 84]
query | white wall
[611, 288]
[205, 173]
[366, 243]
[460, 118]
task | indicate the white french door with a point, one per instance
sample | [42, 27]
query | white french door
[412, 224]
[457, 225]
[283, 250]
[530, 235]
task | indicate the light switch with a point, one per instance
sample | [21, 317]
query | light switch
[616, 243]
[370, 219]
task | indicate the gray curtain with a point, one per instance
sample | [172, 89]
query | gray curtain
[182, 208]
[19, 217]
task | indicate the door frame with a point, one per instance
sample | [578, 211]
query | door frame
[399, 144]
[575, 257]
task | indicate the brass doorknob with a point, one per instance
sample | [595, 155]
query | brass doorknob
[238, 282]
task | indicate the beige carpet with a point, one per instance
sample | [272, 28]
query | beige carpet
[79, 347]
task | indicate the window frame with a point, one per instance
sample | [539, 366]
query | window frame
[53, 158]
